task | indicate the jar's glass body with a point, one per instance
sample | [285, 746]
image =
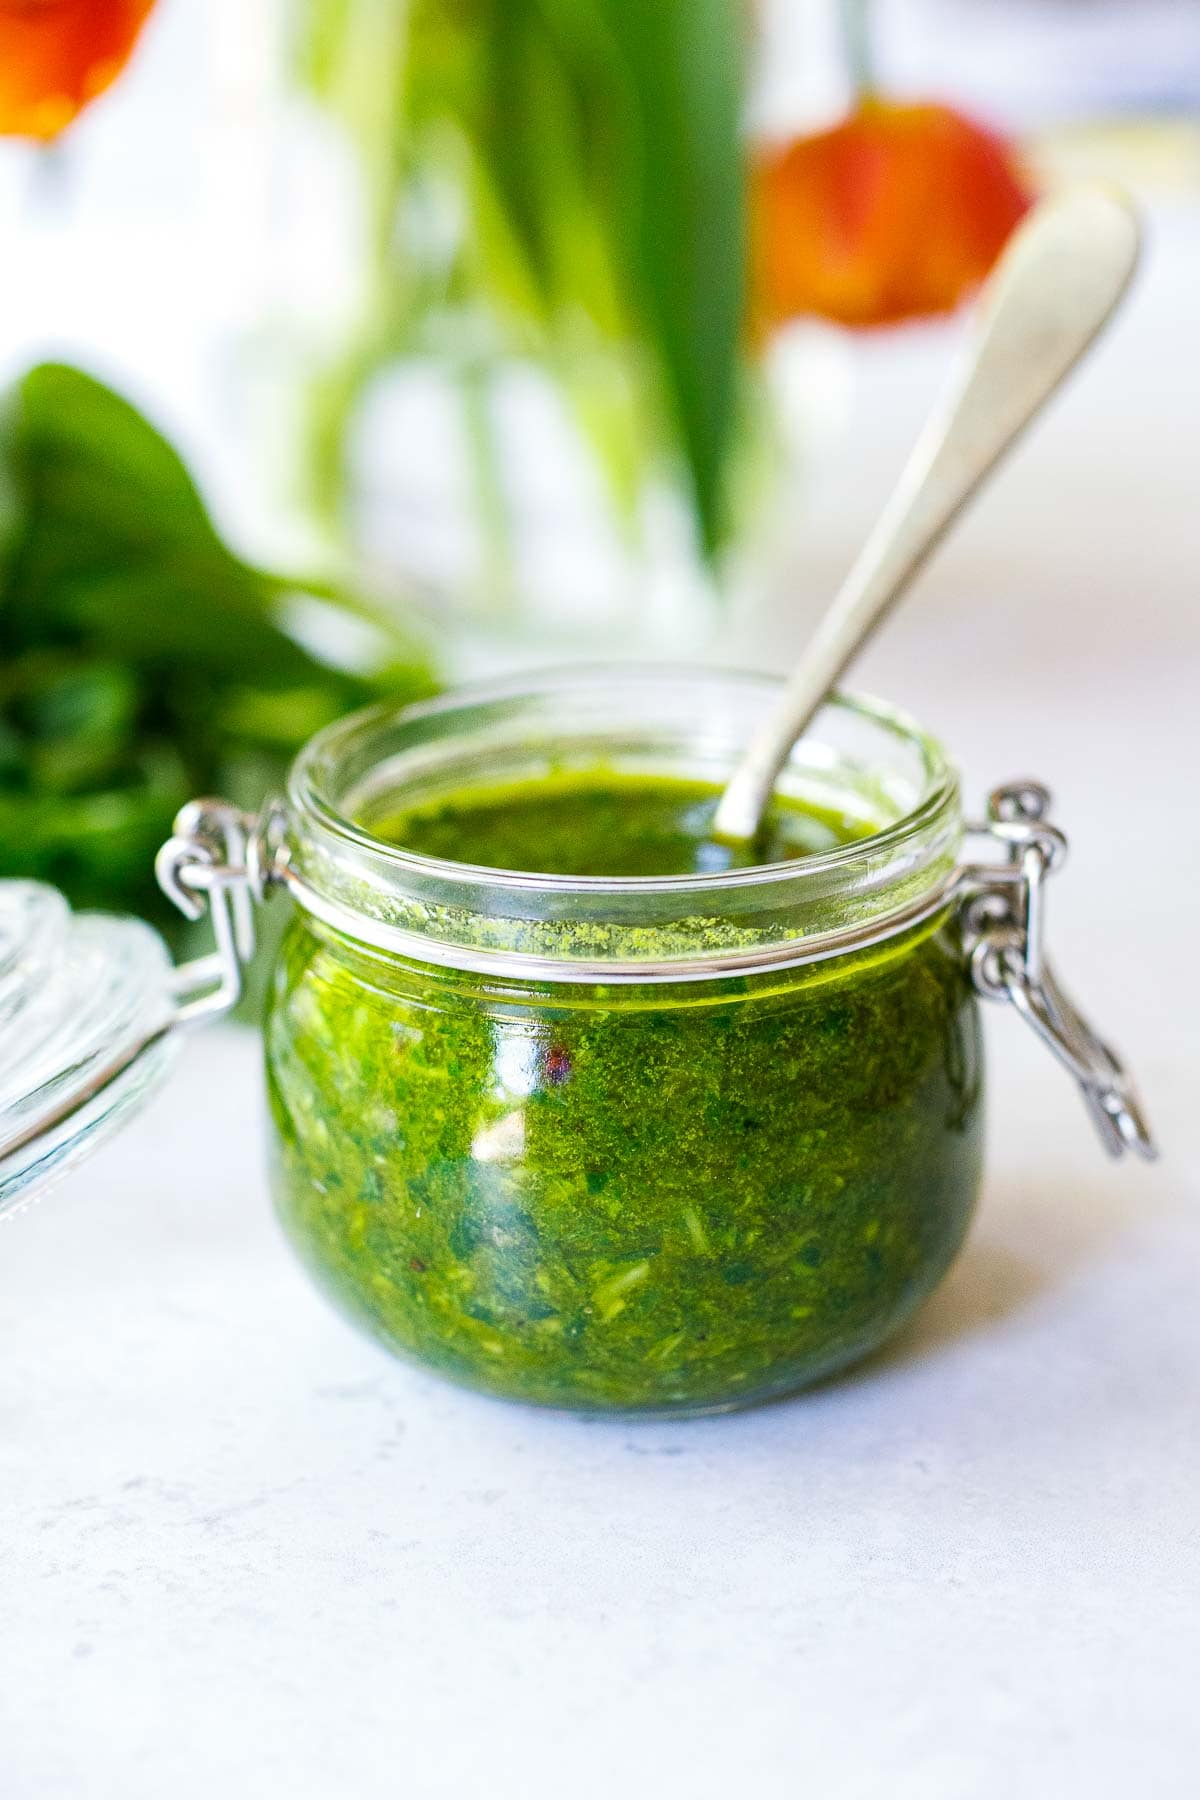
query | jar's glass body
[673, 1181]
[653, 1200]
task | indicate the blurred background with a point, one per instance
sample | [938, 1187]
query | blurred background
[354, 346]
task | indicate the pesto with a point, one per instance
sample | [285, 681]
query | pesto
[605, 822]
[673, 1198]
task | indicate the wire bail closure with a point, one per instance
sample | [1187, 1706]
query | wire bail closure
[218, 860]
[1003, 923]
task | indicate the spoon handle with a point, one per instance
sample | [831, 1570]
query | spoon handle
[1055, 287]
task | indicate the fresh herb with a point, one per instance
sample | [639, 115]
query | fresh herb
[141, 662]
[557, 178]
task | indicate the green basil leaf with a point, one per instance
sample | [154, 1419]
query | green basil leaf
[141, 662]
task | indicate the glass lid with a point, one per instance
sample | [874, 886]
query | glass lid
[86, 1005]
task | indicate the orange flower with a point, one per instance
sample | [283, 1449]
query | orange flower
[898, 212]
[57, 55]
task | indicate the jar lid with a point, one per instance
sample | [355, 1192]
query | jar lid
[86, 1007]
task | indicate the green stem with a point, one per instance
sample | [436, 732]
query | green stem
[856, 41]
[495, 520]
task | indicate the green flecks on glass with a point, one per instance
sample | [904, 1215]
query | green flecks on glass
[668, 1199]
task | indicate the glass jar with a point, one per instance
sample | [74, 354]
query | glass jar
[649, 1145]
[624, 1143]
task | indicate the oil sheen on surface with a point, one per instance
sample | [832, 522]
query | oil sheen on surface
[603, 822]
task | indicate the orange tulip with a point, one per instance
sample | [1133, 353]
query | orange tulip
[896, 213]
[57, 55]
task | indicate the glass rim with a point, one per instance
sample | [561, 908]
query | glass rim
[861, 754]
[311, 804]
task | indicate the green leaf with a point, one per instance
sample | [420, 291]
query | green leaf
[596, 146]
[612, 134]
[116, 544]
[681, 210]
[141, 662]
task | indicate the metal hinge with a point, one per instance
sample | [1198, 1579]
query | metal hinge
[223, 861]
[1003, 922]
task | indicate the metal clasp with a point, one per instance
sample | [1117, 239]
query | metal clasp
[221, 860]
[1003, 924]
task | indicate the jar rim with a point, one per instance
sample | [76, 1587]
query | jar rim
[331, 744]
[335, 860]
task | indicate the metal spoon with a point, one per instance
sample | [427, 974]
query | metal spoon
[1053, 290]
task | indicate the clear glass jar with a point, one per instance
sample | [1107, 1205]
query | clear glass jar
[654, 1145]
[657, 1145]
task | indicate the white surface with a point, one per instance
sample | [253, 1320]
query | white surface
[243, 1553]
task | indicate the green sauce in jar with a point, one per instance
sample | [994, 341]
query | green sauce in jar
[606, 822]
[674, 1197]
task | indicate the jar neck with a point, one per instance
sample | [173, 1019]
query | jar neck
[861, 759]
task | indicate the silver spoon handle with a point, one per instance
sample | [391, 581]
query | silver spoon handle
[1054, 289]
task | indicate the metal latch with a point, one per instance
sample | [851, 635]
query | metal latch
[218, 860]
[1003, 923]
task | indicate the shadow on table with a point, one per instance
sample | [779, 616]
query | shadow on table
[1025, 1246]
[989, 1285]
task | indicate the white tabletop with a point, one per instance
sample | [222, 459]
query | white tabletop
[243, 1552]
